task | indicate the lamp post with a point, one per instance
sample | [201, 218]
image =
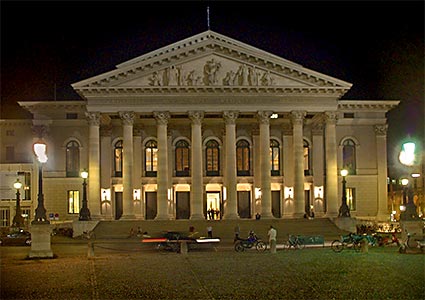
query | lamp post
[84, 211]
[18, 220]
[40, 213]
[344, 210]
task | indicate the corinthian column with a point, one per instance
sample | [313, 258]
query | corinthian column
[162, 173]
[297, 118]
[331, 188]
[231, 209]
[381, 150]
[266, 193]
[196, 199]
[94, 198]
[127, 176]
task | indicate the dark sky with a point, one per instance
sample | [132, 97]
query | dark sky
[376, 46]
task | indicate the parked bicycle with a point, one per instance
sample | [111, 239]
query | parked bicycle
[349, 241]
[294, 242]
[253, 241]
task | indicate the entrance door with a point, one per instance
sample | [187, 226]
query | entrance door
[151, 205]
[182, 205]
[213, 208]
[307, 202]
[118, 205]
[276, 204]
[244, 204]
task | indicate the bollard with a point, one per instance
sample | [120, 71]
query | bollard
[183, 248]
[90, 249]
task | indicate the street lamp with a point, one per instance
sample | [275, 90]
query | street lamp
[18, 220]
[404, 183]
[84, 211]
[344, 210]
[410, 213]
[40, 213]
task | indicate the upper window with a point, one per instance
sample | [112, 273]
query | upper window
[72, 159]
[349, 156]
[242, 157]
[212, 154]
[182, 158]
[275, 157]
[307, 169]
[118, 153]
[151, 158]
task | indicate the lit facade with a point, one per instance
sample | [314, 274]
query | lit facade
[207, 127]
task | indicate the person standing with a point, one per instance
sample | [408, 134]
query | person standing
[272, 239]
[209, 230]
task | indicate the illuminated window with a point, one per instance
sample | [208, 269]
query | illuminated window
[5, 217]
[351, 198]
[306, 147]
[275, 157]
[72, 159]
[349, 156]
[151, 158]
[73, 202]
[243, 157]
[118, 153]
[212, 154]
[182, 158]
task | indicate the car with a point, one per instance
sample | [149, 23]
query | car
[18, 238]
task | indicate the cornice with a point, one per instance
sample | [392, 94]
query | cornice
[367, 105]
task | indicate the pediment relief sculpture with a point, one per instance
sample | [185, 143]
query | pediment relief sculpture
[213, 72]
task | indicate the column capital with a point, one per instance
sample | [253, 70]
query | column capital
[127, 117]
[196, 116]
[40, 131]
[381, 130]
[297, 117]
[93, 118]
[331, 117]
[161, 117]
[230, 116]
[264, 116]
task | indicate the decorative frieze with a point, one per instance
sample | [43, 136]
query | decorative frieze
[40, 131]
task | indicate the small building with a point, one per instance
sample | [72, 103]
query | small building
[206, 128]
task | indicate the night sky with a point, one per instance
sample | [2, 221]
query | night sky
[376, 46]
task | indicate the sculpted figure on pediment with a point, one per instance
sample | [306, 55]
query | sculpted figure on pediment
[243, 75]
[252, 76]
[155, 79]
[266, 79]
[230, 78]
[192, 78]
[211, 69]
[173, 75]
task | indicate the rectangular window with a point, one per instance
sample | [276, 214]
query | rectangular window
[73, 202]
[72, 116]
[5, 217]
[348, 115]
[351, 198]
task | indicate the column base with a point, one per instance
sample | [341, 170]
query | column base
[229, 216]
[163, 217]
[267, 216]
[41, 241]
[197, 217]
[128, 217]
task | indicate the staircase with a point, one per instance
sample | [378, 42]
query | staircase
[222, 228]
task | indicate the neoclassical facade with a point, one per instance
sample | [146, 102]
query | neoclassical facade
[208, 127]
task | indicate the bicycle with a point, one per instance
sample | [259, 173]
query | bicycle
[411, 244]
[294, 242]
[350, 241]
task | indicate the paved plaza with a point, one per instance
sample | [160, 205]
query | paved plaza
[128, 269]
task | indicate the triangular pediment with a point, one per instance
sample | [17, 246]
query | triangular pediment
[214, 61]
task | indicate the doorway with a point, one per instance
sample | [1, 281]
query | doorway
[118, 205]
[276, 204]
[213, 208]
[182, 205]
[244, 204]
[151, 205]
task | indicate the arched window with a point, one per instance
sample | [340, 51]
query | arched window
[275, 157]
[242, 158]
[182, 158]
[349, 156]
[151, 158]
[307, 168]
[72, 159]
[118, 159]
[212, 159]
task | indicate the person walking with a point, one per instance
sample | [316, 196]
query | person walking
[272, 239]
